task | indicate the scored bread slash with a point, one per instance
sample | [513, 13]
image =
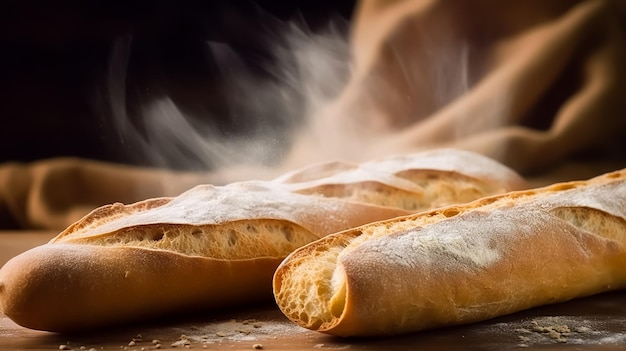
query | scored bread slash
[218, 246]
[462, 263]
[412, 182]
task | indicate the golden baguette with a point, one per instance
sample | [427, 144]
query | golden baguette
[461, 263]
[210, 247]
[413, 182]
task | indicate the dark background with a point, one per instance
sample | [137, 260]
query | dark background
[55, 60]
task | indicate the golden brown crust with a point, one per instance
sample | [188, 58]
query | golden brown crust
[412, 182]
[108, 213]
[112, 285]
[212, 245]
[160, 257]
[463, 263]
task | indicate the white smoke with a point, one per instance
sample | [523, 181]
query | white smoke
[413, 99]
[309, 70]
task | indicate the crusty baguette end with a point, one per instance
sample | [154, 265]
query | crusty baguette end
[70, 287]
[461, 263]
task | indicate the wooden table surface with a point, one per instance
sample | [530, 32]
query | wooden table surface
[594, 323]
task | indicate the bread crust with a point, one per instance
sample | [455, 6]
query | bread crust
[210, 247]
[463, 263]
[413, 182]
[125, 263]
[100, 286]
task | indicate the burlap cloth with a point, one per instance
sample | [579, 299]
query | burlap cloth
[538, 85]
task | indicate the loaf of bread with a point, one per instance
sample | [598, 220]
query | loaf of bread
[461, 263]
[210, 247]
[413, 182]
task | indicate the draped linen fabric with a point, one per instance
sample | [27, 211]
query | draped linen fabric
[54, 193]
[529, 83]
[538, 85]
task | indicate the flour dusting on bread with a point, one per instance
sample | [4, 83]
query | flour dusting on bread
[239, 221]
[218, 246]
[413, 182]
[461, 263]
[272, 218]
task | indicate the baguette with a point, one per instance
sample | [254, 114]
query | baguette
[461, 263]
[413, 182]
[210, 247]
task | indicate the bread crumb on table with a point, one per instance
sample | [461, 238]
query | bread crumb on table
[556, 329]
[182, 341]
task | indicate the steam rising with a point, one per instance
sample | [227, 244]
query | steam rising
[309, 70]
[293, 119]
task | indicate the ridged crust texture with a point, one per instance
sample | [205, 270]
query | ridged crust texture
[210, 247]
[218, 246]
[461, 263]
[412, 182]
